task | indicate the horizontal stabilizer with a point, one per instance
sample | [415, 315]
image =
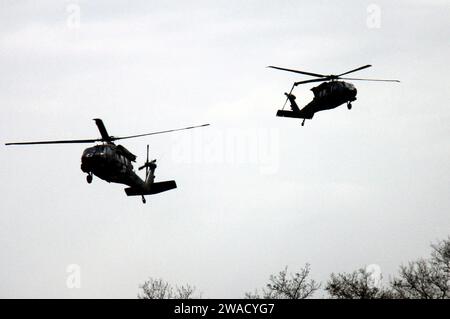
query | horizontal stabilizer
[155, 188]
[297, 115]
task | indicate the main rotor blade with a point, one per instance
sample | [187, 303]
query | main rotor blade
[296, 71]
[376, 80]
[56, 142]
[357, 69]
[102, 129]
[154, 133]
[310, 81]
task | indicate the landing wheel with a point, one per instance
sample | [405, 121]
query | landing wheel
[349, 105]
[143, 199]
[303, 122]
[89, 178]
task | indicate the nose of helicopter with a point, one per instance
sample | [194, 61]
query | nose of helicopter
[351, 92]
[86, 162]
[88, 159]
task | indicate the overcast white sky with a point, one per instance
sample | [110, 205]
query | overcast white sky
[255, 192]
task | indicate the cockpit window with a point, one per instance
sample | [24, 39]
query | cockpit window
[89, 151]
[349, 85]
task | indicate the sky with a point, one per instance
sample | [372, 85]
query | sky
[255, 192]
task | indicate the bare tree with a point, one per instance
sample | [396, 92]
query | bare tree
[282, 286]
[420, 279]
[356, 285]
[160, 289]
[426, 278]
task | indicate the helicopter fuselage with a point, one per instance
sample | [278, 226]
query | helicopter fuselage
[111, 163]
[327, 96]
[330, 95]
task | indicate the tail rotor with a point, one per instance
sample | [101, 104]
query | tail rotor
[149, 186]
[148, 164]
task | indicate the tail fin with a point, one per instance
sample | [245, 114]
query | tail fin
[294, 105]
[154, 188]
[150, 176]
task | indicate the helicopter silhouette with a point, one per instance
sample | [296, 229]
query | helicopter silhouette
[328, 95]
[113, 163]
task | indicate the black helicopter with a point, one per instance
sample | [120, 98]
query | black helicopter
[112, 162]
[327, 95]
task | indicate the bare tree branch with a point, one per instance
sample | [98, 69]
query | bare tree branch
[280, 286]
[160, 289]
[426, 278]
[355, 285]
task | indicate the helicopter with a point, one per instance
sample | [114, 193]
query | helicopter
[328, 95]
[113, 163]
